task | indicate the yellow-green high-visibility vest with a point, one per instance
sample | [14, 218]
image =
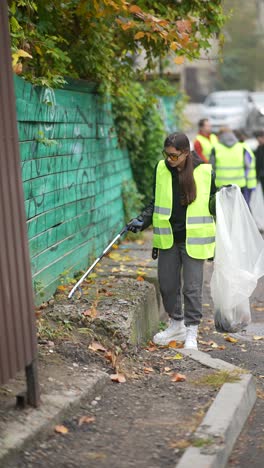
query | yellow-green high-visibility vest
[251, 178]
[229, 165]
[207, 144]
[200, 225]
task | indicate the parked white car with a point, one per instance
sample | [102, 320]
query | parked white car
[258, 98]
[233, 109]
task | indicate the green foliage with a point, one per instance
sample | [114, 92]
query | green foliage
[132, 200]
[99, 40]
[219, 378]
[132, 203]
[162, 326]
[65, 277]
[45, 141]
[53, 331]
[38, 288]
[140, 126]
[160, 87]
[202, 442]
[141, 130]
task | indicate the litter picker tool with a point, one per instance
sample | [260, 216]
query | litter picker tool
[106, 250]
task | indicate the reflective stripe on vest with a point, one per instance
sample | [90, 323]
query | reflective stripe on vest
[229, 165]
[251, 174]
[160, 210]
[200, 226]
[207, 145]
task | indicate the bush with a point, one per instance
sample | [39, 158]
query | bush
[141, 129]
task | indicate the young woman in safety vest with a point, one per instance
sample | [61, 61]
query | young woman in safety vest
[184, 234]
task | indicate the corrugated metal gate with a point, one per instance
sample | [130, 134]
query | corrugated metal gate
[17, 324]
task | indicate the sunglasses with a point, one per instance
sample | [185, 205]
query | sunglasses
[172, 156]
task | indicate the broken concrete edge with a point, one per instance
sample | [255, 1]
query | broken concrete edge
[37, 422]
[223, 422]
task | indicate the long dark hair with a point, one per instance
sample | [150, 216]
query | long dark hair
[187, 183]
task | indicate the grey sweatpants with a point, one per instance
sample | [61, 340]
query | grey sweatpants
[171, 263]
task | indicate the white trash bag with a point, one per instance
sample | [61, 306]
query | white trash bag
[238, 263]
[257, 206]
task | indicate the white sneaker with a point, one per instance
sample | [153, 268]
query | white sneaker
[191, 337]
[175, 331]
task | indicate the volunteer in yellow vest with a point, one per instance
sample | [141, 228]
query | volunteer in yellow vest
[252, 172]
[205, 140]
[233, 163]
[184, 234]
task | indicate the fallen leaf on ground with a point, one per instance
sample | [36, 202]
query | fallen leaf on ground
[206, 305]
[86, 420]
[140, 278]
[152, 347]
[211, 343]
[215, 345]
[147, 370]
[172, 344]
[61, 429]
[90, 313]
[93, 275]
[139, 242]
[110, 356]
[180, 444]
[175, 344]
[178, 378]
[260, 394]
[175, 357]
[117, 257]
[120, 378]
[96, 346]
[167, 369]
[115, 246]
[257, 338]
[231, 339]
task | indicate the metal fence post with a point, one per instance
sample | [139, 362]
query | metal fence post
[18, 344]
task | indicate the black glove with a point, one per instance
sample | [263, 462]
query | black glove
[134, 225]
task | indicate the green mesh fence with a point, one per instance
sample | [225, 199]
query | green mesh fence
[72, 171]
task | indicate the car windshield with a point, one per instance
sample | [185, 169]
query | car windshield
[225, 101]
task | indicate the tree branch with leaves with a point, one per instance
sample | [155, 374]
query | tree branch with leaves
[98, 40]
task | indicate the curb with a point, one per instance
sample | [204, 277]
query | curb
[223, 421]
[33, 422]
